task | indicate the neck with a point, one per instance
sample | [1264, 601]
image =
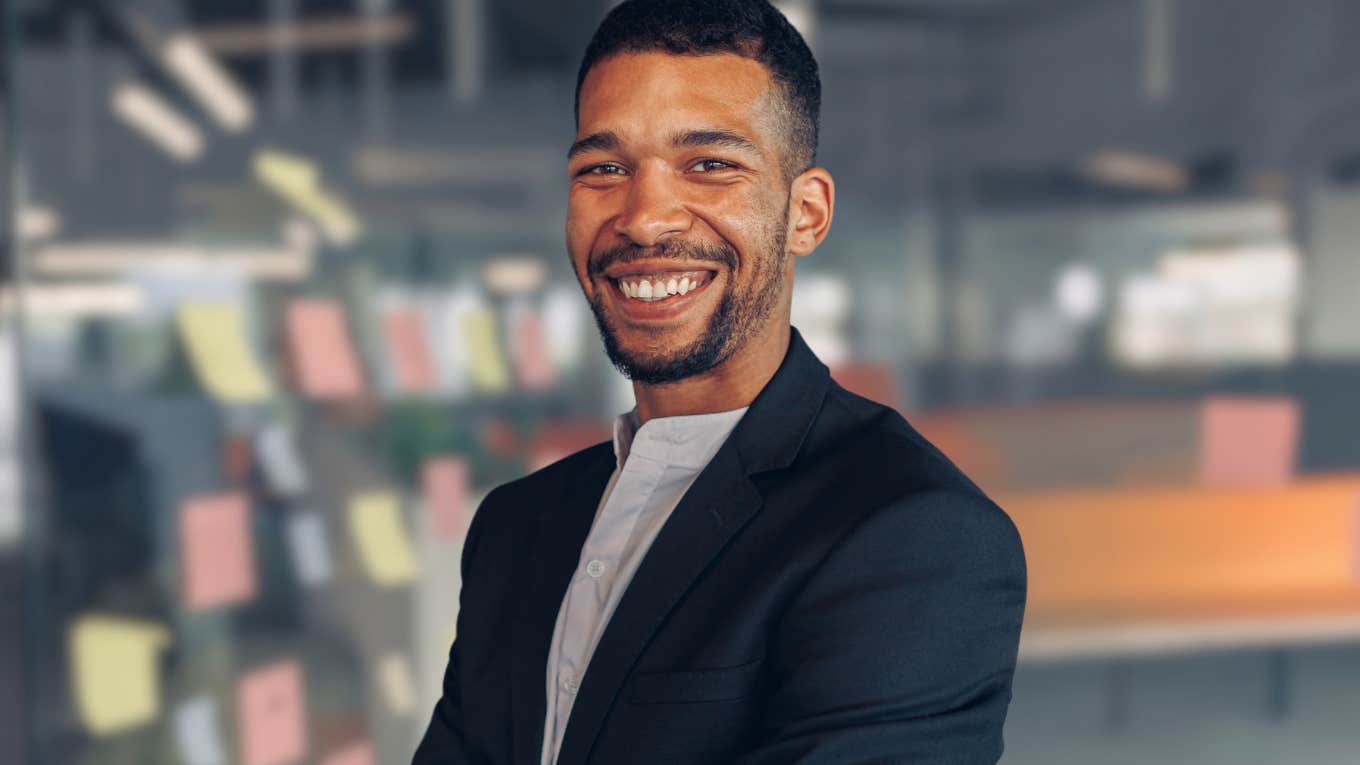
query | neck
[731, 385]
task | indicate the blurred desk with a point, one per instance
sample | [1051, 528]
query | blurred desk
[1159, 569]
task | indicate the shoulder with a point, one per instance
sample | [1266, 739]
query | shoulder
[901, 489]
[877, 445]
[514, 503]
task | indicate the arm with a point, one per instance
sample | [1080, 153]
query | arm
[902, 645]
[444, 742]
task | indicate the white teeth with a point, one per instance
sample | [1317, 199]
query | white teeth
[660, 289]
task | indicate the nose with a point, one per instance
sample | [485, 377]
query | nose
[653, 209]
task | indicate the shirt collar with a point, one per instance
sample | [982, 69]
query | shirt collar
[686, 440]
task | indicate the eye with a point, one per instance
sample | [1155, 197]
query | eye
[608, 168]
[709, 165]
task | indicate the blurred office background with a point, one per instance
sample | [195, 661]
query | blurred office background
[285, 292]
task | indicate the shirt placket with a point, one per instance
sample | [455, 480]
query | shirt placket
[602, 552]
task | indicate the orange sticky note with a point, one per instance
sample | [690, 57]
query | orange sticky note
[1248, 440]
[409, 349]
[533, 365]
[271, 712]
[445, 480]
[324, 360]
[217, 557]
[359, 753]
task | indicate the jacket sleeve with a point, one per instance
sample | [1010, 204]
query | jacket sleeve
[445, 740]
[902, 645]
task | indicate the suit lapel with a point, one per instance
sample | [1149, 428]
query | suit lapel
[563, 525]
[721, 501]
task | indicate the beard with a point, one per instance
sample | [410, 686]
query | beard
[740, 311]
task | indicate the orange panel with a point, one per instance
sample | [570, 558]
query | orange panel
[1188, 551]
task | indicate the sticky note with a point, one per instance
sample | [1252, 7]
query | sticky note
[115, 670]
[381, 538]
[279, 461]
[311, 549]
[270, 710]
[214, 336]
[565, 317]
[450, 351]
[325, 363]
[533, 366]
[445, 484]
[1248, 440]
[397, 684]
[216, 555]
[358, 753]
[196, 732]
[489, 371]
[409, 351]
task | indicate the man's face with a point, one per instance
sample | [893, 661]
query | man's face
[677, 214]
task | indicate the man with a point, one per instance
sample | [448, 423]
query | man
[762, 567]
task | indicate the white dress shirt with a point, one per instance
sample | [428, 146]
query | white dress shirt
[656, 465]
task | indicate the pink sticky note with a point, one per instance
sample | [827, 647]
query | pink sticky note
[532, 364]
[410, 351]
[217, 558]
[445, 480]
[360, 753]
[270, 711]
[323, 356]
[1248, 441]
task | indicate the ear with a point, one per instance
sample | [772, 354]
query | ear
[812, 200]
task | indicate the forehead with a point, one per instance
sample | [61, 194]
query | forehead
[634, 92]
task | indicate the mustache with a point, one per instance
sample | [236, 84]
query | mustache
[675, 249]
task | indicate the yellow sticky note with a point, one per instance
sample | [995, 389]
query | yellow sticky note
[115, 671]
[214, 336]
[489, 370]
[381, 538]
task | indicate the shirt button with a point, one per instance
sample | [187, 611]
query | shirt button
[595, 568]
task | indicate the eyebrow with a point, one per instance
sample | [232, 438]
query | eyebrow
[609, 141]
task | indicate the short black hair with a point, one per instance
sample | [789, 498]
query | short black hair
[753, 29]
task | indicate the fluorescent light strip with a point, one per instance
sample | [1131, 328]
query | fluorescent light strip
[511, 274]
[1119, 168]
[72, 300]
[111, 258]
[334, 33]
[150, 115]
[296, 180]
[37, 222]
[210, 83]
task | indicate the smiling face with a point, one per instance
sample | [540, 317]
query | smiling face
[678, 214]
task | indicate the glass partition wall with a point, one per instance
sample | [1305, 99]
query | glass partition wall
[285, 293]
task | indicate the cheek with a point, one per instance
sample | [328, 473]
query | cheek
[743, 221]
[579, 235]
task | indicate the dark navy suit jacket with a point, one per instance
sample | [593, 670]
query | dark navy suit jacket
[830, 590]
